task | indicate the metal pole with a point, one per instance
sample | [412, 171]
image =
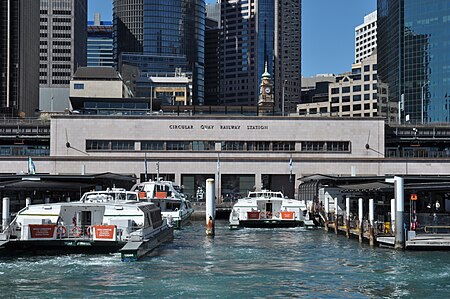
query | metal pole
[422, 105]
[393, 215]
[27, 201]
[400, 205]
[371, 222]
[360, 220]
[5, 213]
[336, 215]
[151, 99]
[347, 216]
[210, 207]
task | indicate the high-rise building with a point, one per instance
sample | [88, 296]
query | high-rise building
[212, 72]
[366, 37]
[19, 57]
[255, 32]
[413, 57]
[99, 42]
[161, 38]
[63, 38]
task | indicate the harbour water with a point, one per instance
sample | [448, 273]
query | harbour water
[248, 263]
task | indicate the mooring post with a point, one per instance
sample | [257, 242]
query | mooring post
[5, 213]
[27, 201]
[327, 210]
[210, 207]
[347, 217]
[392, 216]
[47, 200]
[399, 208]
[360, 220]
[68, 199]
[336, 215]
[371, 222]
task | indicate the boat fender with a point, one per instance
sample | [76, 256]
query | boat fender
[88, 231]
[277, 214]
[61, 231]
[176, 209]
[262, 215]
[76, 231]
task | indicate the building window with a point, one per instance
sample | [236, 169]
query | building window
[178, 146]
[109, 145]
[356, 88]
[366, 77]
[233, 146]
[326, 146]
[152, 145]
[203, 145]
[366, 68]
[78, 86]
[258, 146]
[283, 146]
[346, 89]
[335, 90]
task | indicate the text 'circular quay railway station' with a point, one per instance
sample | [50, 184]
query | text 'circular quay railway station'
[299, 156]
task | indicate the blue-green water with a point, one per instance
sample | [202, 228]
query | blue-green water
[248, 263]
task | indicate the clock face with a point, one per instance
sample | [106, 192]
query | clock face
[267, 89]
[262, 89]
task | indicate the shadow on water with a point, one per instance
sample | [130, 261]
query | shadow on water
[247, 263]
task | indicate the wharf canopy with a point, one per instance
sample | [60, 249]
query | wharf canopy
[241, 153]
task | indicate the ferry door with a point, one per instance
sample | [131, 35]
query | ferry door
[86, 218]
[269, 207]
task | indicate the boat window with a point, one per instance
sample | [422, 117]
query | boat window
[131, 196]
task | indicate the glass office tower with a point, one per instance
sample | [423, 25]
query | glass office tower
[254, 32]
[413, 57]
[162, 36]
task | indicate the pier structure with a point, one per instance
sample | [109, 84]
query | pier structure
[398, 212]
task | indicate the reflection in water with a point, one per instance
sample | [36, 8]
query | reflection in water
[263, 263]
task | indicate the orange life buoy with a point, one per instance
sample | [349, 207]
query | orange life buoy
[76, 231]
[262, 215]
[277, 214]
[61, 231]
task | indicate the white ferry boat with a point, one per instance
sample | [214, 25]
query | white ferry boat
[168, 196]
[113, 194]
[131, 228]
[267, 209]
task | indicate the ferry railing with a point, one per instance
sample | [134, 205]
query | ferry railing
[430, 223]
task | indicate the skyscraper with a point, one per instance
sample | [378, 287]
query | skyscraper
[413, 57]
[161, 37]
[255, 32]
[366, 37]
[63, 38]
[99, 42]
[19, 57]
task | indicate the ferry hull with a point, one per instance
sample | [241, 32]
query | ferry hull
[55, 247]
[267, 223]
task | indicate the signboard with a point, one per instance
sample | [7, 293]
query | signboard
[287, 215]
[105, 232]
[161, 194]
[42, 231]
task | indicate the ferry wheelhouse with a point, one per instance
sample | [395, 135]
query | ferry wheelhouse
[267, 209]
[168, 196]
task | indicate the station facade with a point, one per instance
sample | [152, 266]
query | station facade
[241, 153]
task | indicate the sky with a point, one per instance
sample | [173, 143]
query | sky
[328, 31]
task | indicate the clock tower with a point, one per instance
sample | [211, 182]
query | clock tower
[266, 90]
